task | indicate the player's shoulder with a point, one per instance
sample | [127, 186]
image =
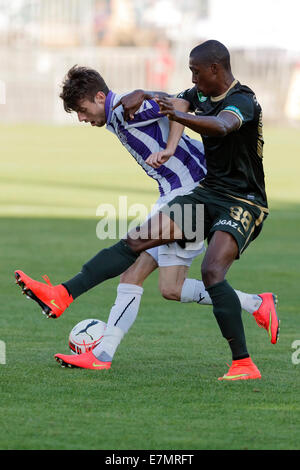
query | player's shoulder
[243, 95]
[191, 96]
[189, 93]
[243, 91]
[147, 104]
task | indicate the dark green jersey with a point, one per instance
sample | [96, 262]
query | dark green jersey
[234, 162]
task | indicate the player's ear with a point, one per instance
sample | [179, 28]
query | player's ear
[214, 68]
[100, 97]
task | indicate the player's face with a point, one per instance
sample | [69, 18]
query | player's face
[93, 111]
[203, 76]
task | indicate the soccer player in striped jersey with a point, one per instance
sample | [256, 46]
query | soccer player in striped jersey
[149, 137]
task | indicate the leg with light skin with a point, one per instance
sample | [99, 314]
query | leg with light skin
[138, 272]
[171, 280]
[125, 309]
[175, 285]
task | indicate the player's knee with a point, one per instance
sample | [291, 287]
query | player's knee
[169, 292]
[212, 273]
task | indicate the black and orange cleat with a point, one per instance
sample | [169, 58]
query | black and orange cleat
[52, 299]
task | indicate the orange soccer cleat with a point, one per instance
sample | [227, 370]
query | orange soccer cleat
[266, 316]
[242, 369]
[52, 299]
[85, 361]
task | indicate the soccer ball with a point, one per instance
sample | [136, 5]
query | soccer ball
[86, 335]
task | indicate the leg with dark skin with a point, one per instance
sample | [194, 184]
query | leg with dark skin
[115, 260]
[158, 230]
[221, 253]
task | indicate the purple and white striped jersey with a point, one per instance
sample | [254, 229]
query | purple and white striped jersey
[148, 133]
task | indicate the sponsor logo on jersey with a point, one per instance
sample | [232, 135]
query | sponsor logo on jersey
[227, 222]
[201, 97]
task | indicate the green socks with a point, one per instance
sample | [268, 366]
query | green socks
[227, 310]
[108, 263]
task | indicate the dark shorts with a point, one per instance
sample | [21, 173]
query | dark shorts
[242, 219]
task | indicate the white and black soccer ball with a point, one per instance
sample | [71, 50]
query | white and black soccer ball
[86, 335]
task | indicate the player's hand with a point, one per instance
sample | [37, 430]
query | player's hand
[159, 158]
[166, 107]
[131, 103]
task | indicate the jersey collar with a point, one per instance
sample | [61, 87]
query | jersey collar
[221, 97]
[109, 105]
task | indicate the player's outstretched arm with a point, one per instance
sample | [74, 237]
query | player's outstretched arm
[176, 129]
[133, 101]
[212, 126]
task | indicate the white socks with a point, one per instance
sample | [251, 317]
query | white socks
[121, 318]
[249, 302]
[194, 291]
[126, 307]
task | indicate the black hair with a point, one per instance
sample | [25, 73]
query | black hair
[212, 52]
[81, 83]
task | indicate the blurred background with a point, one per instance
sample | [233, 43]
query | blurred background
[144, 43]
[50, 166]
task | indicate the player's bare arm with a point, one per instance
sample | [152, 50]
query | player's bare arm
[176, 129]
[133, 101]
[211, 126]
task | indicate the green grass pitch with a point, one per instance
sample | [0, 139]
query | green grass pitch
[162, 391]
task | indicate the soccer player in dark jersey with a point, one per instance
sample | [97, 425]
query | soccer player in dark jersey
[228, 117]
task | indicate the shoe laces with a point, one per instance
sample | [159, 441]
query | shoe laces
[46, 278]
[230, 367]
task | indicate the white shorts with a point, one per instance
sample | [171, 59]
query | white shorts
[173, 254]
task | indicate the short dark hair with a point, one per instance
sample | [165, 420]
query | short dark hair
[212, 52]
[81, 83]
